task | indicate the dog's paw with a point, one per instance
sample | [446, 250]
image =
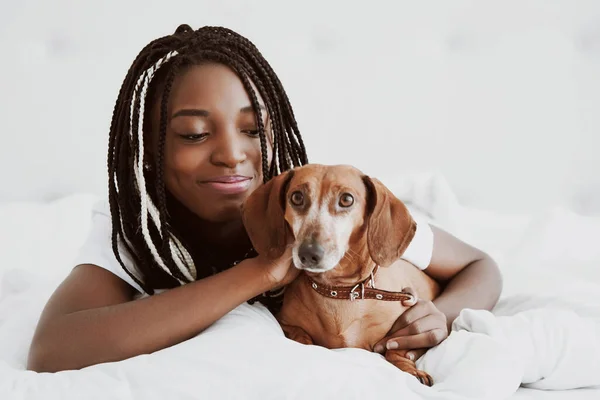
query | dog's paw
[398, 358]
[297, 334]
[423, 377]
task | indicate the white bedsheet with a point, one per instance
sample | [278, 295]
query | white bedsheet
[550, 309]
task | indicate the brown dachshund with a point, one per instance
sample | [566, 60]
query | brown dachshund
[348, 233]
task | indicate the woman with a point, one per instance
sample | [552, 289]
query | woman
[201, 121]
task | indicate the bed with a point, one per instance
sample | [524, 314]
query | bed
[549, 259]
[501, 96]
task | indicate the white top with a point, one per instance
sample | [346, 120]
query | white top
[97, 249]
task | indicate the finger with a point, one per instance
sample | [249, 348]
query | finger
[425, 324]
[413, 300]
[418, 311]
[292, 274]
[422, 340]
[288, 251]
[380, 346]
[414, 355]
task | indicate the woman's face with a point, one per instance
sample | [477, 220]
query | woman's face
[212, 156]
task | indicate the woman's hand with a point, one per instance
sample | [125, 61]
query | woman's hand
[279, 272]
[419, 328]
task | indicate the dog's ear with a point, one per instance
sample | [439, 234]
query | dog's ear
[263, 214]
[390, 227]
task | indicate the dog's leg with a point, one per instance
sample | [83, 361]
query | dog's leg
[297, 334]
[398, 358]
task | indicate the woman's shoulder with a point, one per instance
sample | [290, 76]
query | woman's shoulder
[97, 248]
[420, 248]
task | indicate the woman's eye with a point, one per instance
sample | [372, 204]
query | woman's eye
[193, 137]
[297, 198]
[251, 132]
[346, 200]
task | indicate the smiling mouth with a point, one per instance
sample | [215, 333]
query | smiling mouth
[228, 184]
[228, 179]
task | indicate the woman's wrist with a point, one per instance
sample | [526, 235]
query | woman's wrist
[257, 274]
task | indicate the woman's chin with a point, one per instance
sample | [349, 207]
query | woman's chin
[226, 213]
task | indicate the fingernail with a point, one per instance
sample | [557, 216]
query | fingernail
[378, 348]
[410, 356]
[391, 345]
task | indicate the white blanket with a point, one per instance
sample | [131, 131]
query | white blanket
[550, 312]
[245, 355]
[490, 356]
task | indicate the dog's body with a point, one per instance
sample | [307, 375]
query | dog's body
[347, 231]
[311, 318]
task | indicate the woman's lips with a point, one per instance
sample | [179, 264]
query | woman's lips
[233, 184]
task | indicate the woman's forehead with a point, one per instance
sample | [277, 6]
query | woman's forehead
[210, 85]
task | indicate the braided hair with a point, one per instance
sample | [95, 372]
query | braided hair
[140, 224]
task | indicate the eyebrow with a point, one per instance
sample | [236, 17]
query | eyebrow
[251, 109]
[190, 112]
[194, 112]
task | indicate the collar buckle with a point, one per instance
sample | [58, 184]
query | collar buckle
[354, 294]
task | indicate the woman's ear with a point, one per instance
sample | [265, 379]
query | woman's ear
[390, 225]
[263, 214]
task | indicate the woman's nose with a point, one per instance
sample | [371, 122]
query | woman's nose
[229, 150]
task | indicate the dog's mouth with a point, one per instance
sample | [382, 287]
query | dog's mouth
[314, 270]
[313, 262]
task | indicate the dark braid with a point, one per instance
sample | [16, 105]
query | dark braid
[157, 251]
[160, 189]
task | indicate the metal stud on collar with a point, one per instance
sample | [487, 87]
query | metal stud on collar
[314, 285]
[379, 296]
[333, 293]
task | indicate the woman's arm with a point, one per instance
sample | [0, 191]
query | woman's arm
[91, 319]
[470, 279]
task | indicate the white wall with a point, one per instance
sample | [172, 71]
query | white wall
[502, 97]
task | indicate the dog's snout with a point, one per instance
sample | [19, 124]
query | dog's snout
[311, 253]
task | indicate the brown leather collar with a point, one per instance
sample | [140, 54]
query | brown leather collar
[362, 290]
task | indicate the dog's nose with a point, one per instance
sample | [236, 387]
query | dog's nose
[311, 253]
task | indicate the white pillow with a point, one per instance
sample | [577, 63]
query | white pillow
[43, 237]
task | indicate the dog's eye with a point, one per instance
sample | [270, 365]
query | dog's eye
[346, 200]
[297, 198]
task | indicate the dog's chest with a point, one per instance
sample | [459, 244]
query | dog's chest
[359, 324]
[336, 323]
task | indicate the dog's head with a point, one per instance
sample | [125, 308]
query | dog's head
[328, 214]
